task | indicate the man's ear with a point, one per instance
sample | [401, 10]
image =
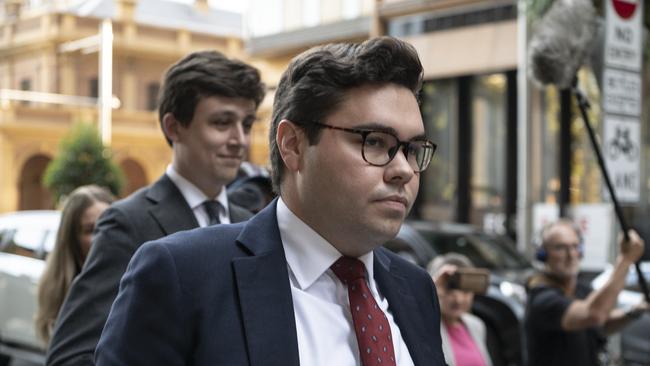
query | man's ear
[170, 127]
[289, 138]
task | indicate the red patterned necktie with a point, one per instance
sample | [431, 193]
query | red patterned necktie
[370, 322]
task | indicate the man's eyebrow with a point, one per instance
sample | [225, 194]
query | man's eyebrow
[232, 114]
[373, 126]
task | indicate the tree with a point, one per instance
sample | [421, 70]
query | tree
[82, 159]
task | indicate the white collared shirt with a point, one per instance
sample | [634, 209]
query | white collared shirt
[320, 300]
[195, 198]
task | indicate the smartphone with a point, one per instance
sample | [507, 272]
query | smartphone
[474, 280]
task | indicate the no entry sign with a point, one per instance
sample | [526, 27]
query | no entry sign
[623, 42]
[625, 8]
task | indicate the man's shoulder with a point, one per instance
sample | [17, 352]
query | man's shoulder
[195, 255]
[196, 242]
[136, 201]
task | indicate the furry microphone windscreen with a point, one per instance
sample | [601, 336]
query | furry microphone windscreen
[561, 41]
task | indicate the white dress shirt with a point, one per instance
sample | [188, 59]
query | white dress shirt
[320, 300]
[195, 198]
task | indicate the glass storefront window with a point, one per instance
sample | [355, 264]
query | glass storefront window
[545, 127]
[438, 182]
[488, 173]
[586, 178]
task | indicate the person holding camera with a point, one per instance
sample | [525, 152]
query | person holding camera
[566, 322]
[463, 334]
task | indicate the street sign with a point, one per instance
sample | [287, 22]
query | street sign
[622, 96]
[625, 9]
[624, 33]
[622, 153]
[622, 92]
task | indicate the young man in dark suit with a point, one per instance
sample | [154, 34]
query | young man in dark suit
[207, 107]
[306, 280]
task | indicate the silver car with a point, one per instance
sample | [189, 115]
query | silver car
[25, 239]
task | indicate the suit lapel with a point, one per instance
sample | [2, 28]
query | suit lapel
[169, 208]
[404, 307]
[266, 304]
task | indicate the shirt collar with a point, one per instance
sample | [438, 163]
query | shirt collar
[308, 254]
[192, 194]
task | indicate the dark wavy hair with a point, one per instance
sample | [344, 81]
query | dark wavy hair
[316, 82]
[205, 74]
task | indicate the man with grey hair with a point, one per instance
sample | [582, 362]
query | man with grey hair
[566, 322]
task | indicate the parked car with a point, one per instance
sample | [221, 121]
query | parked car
[502, 307]
[25, 239]
[634, 347]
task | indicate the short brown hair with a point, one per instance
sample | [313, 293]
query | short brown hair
[316, 82]
[205, 74]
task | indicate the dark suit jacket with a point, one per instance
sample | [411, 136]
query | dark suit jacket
[221, 296]
[148, 214]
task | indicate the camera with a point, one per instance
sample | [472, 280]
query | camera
[474, 280]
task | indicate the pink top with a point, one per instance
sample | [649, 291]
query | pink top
[466, 352]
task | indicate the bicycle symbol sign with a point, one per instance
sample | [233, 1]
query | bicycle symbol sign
[621, 145]
[622, 153]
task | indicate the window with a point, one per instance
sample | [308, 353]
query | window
[26, 84]
[438, 186]
[152, 95]
[265, 17]
[488, 172]
[93, 88]
[310, 13]
[351, 9]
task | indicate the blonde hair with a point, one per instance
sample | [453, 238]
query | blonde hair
[66, 259]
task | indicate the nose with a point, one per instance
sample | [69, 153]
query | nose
[399, 169]
[238, 135]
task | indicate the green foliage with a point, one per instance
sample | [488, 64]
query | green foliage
[82, 159]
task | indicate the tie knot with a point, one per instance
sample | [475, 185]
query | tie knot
[348, 269]
[212, 208]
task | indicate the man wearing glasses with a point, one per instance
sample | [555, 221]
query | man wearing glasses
[306, 280]
[565, 320]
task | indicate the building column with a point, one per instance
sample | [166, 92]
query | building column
[67, 75]
[129, 87]
[46, 66]
[8, 186]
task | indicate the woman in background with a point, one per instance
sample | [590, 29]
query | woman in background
[80, 212]
[463, 334]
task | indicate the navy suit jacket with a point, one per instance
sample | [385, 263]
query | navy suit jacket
[221, 296]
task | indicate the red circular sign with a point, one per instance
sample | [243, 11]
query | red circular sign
[625, 8]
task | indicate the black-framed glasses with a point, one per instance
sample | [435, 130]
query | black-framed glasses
[378, 148]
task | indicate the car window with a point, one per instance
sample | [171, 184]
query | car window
[484, 251]
[499, 251]
[50, 239]
[27, 242]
